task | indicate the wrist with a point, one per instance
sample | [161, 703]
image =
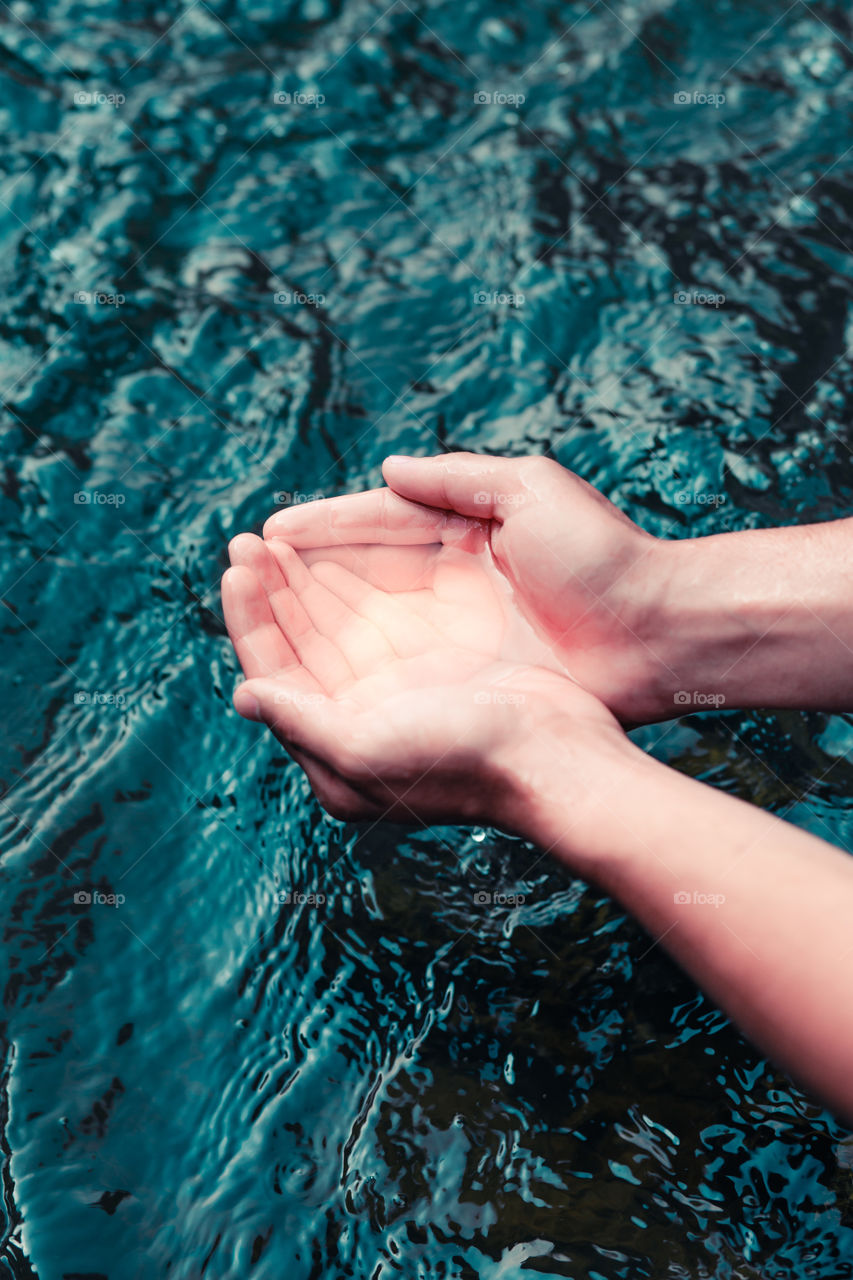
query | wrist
[707, 631]
[570, 786]
[646, 670]
[727, 633]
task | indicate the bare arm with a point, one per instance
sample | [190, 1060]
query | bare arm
[404, 708]
[652, 627]
[758, 912]
[761, 618]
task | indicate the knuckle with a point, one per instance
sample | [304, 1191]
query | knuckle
[541, 468]
[387, 503]
[356, 769]
[346, 757]
[346, 808]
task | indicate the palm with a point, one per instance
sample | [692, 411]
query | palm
[457, 592]
[405, 686]
[559, 564]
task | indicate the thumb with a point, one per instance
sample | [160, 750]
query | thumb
[468, 483]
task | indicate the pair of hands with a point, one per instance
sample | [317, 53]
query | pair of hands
[413, 646]
[463, 647]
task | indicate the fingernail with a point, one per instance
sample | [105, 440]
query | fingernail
[400, 460]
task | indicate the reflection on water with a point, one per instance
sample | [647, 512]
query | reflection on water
[460, 1063]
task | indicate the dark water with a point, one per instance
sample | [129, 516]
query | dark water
[400, 1080]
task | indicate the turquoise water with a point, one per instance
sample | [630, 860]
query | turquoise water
[201, 1079]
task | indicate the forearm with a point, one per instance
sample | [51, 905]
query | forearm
[756, 618]
[758, 912]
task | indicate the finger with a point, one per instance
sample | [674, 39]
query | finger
[324, 782]
[407, 632]
[319, 652]
[251, 552]
[308, 732]
[468, 483]
[260, 646]
[378, 515]
[316, 650]
[264, 650]
[334, 794]
[360, 641]
[390, 568]
[246, 605]
[316, 726]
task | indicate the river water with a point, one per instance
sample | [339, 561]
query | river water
[215, 302]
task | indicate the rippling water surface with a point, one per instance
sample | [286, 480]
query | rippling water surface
[400, 1080]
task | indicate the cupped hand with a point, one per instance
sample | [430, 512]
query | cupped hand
[580, 573]
[396, 704]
